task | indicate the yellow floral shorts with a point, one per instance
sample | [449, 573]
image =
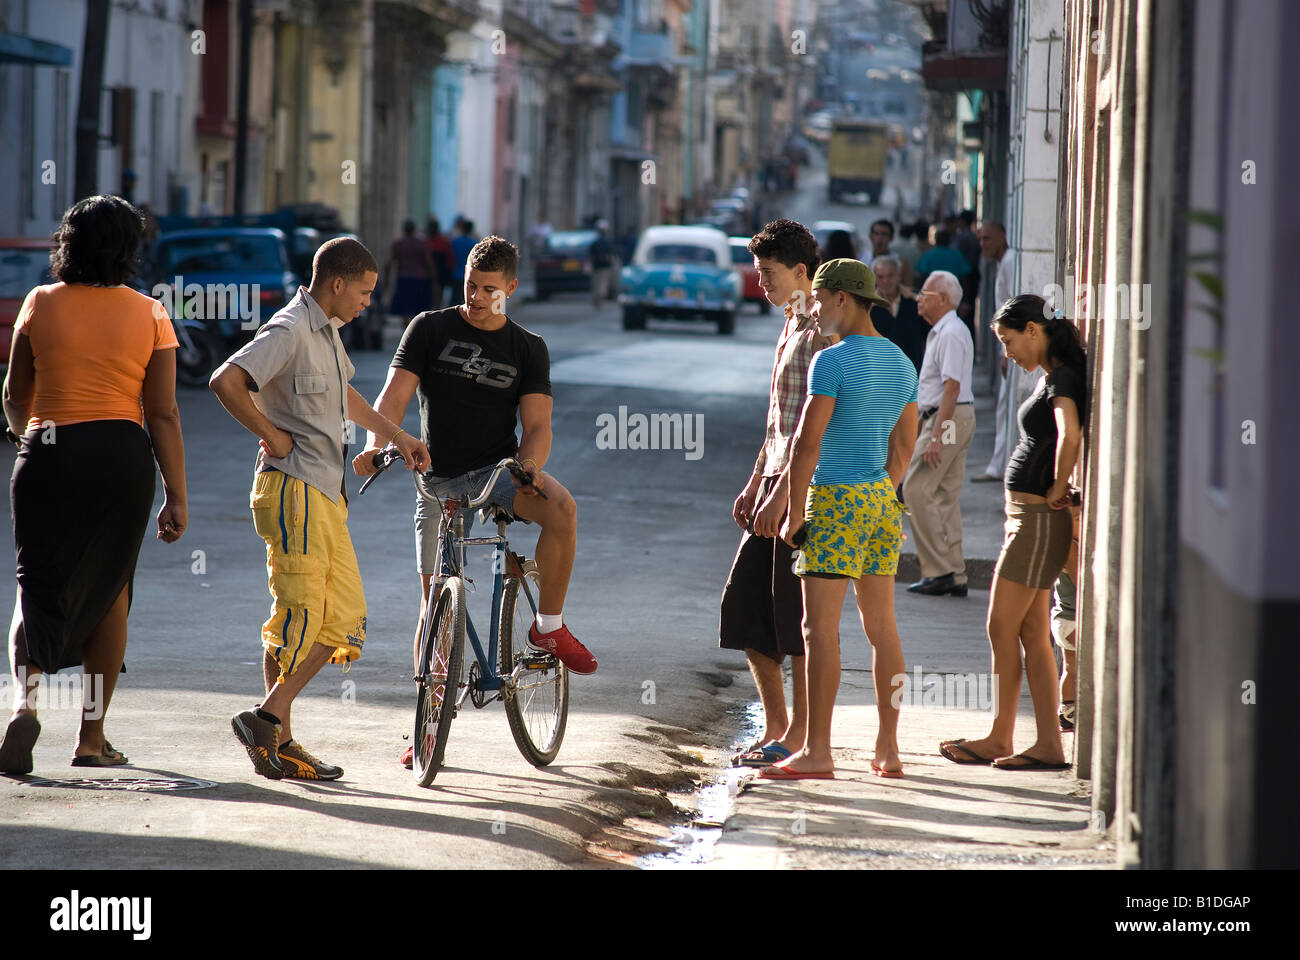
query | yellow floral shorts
[854, 530]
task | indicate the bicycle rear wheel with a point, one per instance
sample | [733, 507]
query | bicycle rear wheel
[538, 707]
[442, 655]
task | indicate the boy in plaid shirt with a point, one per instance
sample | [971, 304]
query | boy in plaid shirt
[762, 606]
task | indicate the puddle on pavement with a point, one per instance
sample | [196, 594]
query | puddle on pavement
[692, 845]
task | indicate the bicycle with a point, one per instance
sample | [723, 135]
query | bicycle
[533, 685]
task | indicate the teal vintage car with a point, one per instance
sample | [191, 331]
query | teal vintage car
[683, 273]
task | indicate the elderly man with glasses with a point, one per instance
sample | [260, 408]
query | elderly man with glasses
[932, 484]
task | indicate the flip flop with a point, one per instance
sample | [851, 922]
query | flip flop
[880, 771]
[1033, 763]
[784, 773]
[763, 756]
[107, 758]
[975, 758]
[16, 747]
[735, 757]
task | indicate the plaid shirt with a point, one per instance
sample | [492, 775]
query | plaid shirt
[794, 353]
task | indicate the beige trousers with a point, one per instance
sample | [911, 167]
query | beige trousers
[933, 496]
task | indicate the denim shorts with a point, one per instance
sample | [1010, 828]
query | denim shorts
[461, 488]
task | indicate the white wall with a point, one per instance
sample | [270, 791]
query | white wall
[1032, 159]
[144, 51]
[477, 119]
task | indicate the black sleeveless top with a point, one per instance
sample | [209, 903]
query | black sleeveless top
[1032, 467]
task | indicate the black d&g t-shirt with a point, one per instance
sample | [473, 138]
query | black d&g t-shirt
[470, 384]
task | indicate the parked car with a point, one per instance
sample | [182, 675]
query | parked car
[226, 263]
[564, 262]
[743, 261]
[684, 273]
[24, 264]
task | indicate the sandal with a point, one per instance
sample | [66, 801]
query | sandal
[107, 758]
[970, 758]
[763, 756]
[1031, 763]
[19, 739]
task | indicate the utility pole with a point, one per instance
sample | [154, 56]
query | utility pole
[241, 115]
[86, 174]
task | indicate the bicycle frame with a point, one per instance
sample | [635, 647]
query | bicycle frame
[452, 549]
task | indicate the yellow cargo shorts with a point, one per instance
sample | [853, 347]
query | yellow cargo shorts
[316, 592]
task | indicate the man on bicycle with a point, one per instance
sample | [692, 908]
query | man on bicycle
[477, 373]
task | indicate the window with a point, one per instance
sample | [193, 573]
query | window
[681, 253]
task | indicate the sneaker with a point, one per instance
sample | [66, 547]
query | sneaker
[408, 757]
[300, 765]
[261, 739]
[565, 647]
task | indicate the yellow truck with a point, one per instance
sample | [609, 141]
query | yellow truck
[856, 157]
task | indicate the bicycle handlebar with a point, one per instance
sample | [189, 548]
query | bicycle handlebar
[389, 455]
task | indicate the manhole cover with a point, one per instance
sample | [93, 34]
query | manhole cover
[127, 783]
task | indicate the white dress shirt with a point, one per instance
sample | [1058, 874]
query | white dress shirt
[949, 355]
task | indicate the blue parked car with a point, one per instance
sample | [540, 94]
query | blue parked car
[224, 265]
[683, 273]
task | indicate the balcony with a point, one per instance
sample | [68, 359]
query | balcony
[647, 49]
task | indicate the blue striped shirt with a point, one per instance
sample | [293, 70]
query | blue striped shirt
[872, 381]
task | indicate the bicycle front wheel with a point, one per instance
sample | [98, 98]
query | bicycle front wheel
[442, 655]
[538, 707]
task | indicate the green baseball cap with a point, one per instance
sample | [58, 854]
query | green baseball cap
[851, 276]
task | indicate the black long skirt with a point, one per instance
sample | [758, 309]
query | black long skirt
[80, 505]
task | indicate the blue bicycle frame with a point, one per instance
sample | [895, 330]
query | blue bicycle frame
[452, 550]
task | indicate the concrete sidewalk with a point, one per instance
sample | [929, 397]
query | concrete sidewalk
[940, 814]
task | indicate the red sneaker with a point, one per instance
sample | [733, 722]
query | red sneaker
[408, 757]
[564, 646]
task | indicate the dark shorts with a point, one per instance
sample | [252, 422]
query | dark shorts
[762, 603]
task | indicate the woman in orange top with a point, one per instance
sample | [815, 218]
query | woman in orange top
[92, 362]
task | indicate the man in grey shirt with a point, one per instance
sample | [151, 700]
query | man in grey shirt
[299, 371]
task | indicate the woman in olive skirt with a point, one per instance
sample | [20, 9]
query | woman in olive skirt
[1038, 534]
[92, 363]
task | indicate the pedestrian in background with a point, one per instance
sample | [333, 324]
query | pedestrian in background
[900, 321]
[416, 276]
[762, 606]
[603, 265]
[905, 249]
[300, 371]
[854, 439]
[1038, 535]
[881, 236]
[440, 251]
[1064, 622]
[993, 245]
[932, 486]
[941, 256]
[839, 246]
[91, 365]
[461, 244]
